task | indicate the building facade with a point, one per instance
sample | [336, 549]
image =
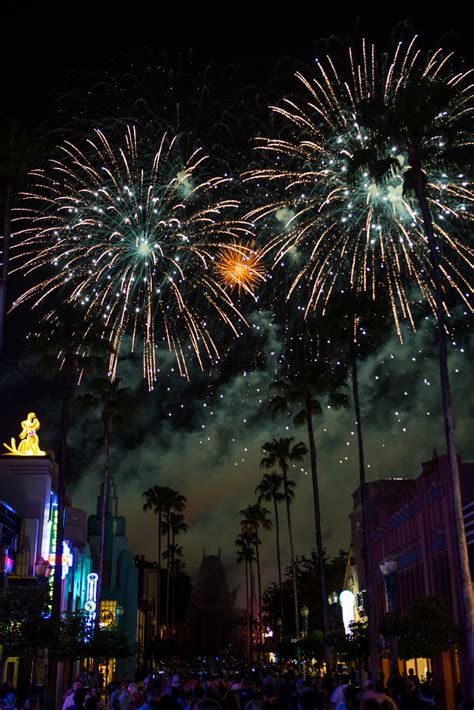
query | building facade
[212, 608]
[120, 582]
[412, 520]
[28, 533]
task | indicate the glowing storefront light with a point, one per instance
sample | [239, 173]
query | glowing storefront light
[66, 559]
[346, 600]
[29, 444]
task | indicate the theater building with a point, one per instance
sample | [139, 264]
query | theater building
[412, 521]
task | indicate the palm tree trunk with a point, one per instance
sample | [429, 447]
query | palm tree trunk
[317, 526]
[66, 409]
[463, 558]
[173, 580]
[247, 605]
[277, 530]
[259, 581]
[103, 511]
[251, 608]
[158, 590]
[367, 557]
[6, 247]
[292, 553]
[167, 608]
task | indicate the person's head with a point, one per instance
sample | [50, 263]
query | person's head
[369, 704]
[307, 700]
[254, 705]
[411, 671]
[32, 704]
[268, 692]
[77, 685]
[344, 679]
[209, 704]
[153, 692]
[93, 692]
[369, 685]
[350, 696]
[132, 688]
[79, 696]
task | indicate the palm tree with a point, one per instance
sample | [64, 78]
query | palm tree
[270, 489]
[358, 325]
[254, 518]
[245, 553]
[306, 389]
[429, 121]
[177, 525]
[116, 406]
[69, 344]
[158, 498]
[282, 452]
[19, 150]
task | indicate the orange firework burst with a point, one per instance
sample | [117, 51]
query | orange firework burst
[239, 266]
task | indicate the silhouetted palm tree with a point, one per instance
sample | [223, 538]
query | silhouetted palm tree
[306, 389]
[282, 452]
[245, 553]
[254, 518]
[429, 121]
[116, 405]
[71, 345]
[270, 488]
[158, 498]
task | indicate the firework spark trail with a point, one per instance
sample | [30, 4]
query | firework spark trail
[380, 230]
[132, 236]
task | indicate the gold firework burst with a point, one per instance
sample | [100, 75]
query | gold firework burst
[239, 266]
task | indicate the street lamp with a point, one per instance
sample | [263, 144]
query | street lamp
[388, 568]
[304, 611]
[333, 599]
[280, 628]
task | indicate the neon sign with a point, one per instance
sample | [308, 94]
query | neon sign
[66, 558]
[90, 605]
[29, 444]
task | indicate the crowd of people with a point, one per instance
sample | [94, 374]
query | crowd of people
[259, 687]
[265, 687]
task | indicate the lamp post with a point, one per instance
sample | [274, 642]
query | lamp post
[304, 611]
[388, 568]
[333, 599]
[280, 628]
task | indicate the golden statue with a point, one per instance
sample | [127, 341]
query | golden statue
[29, 446]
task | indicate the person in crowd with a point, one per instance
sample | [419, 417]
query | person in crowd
[79, 699]
[68, 700]
[32, 704]
[350, 699]
[337, 695]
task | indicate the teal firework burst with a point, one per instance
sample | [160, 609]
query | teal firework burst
[338, 214]
[131, 235]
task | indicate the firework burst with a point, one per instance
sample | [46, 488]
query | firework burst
[334, 228]
[240, 266]
[131, 235]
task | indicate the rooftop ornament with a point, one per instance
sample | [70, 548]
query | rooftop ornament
[29, 444]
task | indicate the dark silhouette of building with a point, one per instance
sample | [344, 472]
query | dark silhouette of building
[212, 608]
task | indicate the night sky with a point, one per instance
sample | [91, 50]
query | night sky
[204, 438]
